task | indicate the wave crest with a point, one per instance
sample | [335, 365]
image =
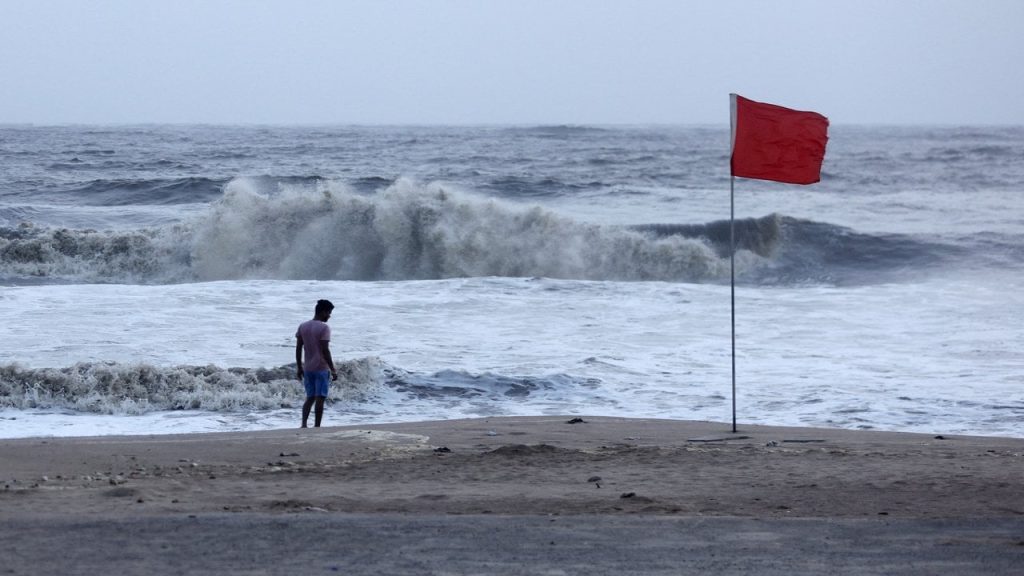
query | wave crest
[298, 229]
[145, 256]
[114, 388]
[410, 231]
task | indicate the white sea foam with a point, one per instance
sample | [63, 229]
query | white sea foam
[486, 346]
[416, 231]
[409, 231]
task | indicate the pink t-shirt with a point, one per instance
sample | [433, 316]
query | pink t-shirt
[312, 332]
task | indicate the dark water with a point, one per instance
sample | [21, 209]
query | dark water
[163, 204]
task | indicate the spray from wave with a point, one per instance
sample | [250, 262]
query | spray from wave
[413, 232]
[114, 388]
[300, 229]
[154, 256]
[133, 389]
[327, 231]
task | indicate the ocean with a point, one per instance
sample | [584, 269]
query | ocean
[152, 277]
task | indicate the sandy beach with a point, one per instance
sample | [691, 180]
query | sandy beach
[524, 469]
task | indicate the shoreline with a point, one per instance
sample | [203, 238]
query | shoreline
[723, 426]
[519, 465]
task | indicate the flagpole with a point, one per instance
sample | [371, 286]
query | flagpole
[732, 247]
[732, 286]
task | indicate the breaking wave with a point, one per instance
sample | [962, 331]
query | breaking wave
[322, 230]
[153, 256]
[413, 232]
[329, 232]
[131, 389]
[114, 388]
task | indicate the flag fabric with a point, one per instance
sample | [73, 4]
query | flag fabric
[770, 142]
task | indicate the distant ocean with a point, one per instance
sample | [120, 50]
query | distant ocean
[151, 277]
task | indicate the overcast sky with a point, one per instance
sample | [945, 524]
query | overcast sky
[508, 61]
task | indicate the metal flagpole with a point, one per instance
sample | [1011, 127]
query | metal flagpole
[732, 287]
[732, 248]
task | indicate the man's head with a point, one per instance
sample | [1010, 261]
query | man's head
[323, 310]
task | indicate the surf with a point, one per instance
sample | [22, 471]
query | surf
[140, 388]
[302, 229]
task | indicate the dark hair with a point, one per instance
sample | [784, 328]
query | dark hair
[323, 306]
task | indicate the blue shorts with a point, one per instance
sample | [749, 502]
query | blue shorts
[316, 383]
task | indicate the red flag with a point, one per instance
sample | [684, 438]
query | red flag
[770, 142]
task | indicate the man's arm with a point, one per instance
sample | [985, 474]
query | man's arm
[298, 356]
[325, 351]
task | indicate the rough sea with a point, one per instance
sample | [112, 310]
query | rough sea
[152, 277]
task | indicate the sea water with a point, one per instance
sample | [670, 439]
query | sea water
[152, 277]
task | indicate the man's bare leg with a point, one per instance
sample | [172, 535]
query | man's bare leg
[319, 409]
[305, 412]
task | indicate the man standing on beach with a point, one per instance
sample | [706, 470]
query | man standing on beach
[313, 337]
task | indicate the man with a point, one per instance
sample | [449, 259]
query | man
[313, 337]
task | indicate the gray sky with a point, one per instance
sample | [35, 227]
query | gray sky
[508, 61]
